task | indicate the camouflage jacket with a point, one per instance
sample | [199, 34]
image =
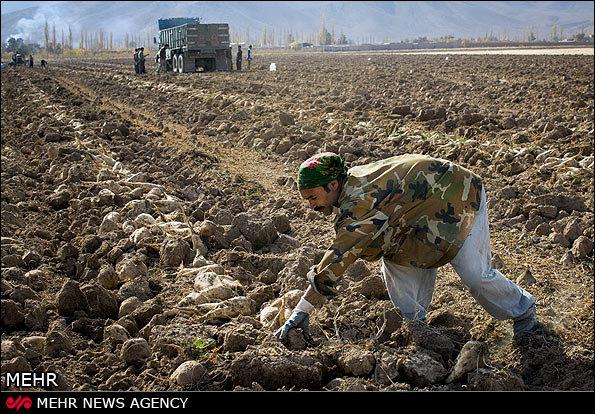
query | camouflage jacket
[414, 210]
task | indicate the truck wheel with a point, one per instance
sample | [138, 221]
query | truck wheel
[181, 63]
[174, 62]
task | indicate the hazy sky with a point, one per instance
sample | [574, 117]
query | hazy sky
[10, 6]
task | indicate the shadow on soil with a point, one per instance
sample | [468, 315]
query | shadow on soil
[546, 365]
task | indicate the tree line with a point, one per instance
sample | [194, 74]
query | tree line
[271, 36]
[268, 36]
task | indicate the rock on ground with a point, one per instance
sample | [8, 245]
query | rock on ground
[188, 373]
[421, 370]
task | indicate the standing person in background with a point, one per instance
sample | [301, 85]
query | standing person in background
[136, 61]
[239, 58]
[228, 57]
[141, 60]
[30, 61]
[249, 56]
[162, 63]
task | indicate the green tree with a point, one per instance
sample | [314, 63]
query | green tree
[18, 45]
[11, 45]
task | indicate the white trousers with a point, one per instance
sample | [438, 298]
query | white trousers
[411, 289]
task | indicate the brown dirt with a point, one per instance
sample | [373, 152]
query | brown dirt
[88, 147]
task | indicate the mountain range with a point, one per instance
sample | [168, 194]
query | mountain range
[360, 21]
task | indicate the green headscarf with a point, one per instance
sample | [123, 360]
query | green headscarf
[320, 170]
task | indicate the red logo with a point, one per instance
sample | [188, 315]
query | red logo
[16, 405]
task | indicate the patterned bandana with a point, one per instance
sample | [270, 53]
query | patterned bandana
[320, 169]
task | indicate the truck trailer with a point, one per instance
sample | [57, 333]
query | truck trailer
[194, 46]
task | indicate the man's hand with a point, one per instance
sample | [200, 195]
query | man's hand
[298, 319]
[323, 287]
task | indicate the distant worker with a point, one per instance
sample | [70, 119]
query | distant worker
[162, 63]
[239, 58]
[249, 56]
[141, 60]
[136, 61]
[228, 57]
[30, 61]
[43, 63]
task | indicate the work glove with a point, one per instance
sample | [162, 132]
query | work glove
[298, 319]
[321, 284]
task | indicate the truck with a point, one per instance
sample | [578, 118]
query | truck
[195, 46]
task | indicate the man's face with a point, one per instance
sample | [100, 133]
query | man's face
[321, 200]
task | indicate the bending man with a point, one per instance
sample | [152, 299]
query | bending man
[415, 213]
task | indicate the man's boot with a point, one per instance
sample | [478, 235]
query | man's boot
[523, 324]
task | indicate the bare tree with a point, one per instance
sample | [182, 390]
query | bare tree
[69, 37]
[54, 36]
[332, 32]
[46, 33]
[323, 31]
[531, 36]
